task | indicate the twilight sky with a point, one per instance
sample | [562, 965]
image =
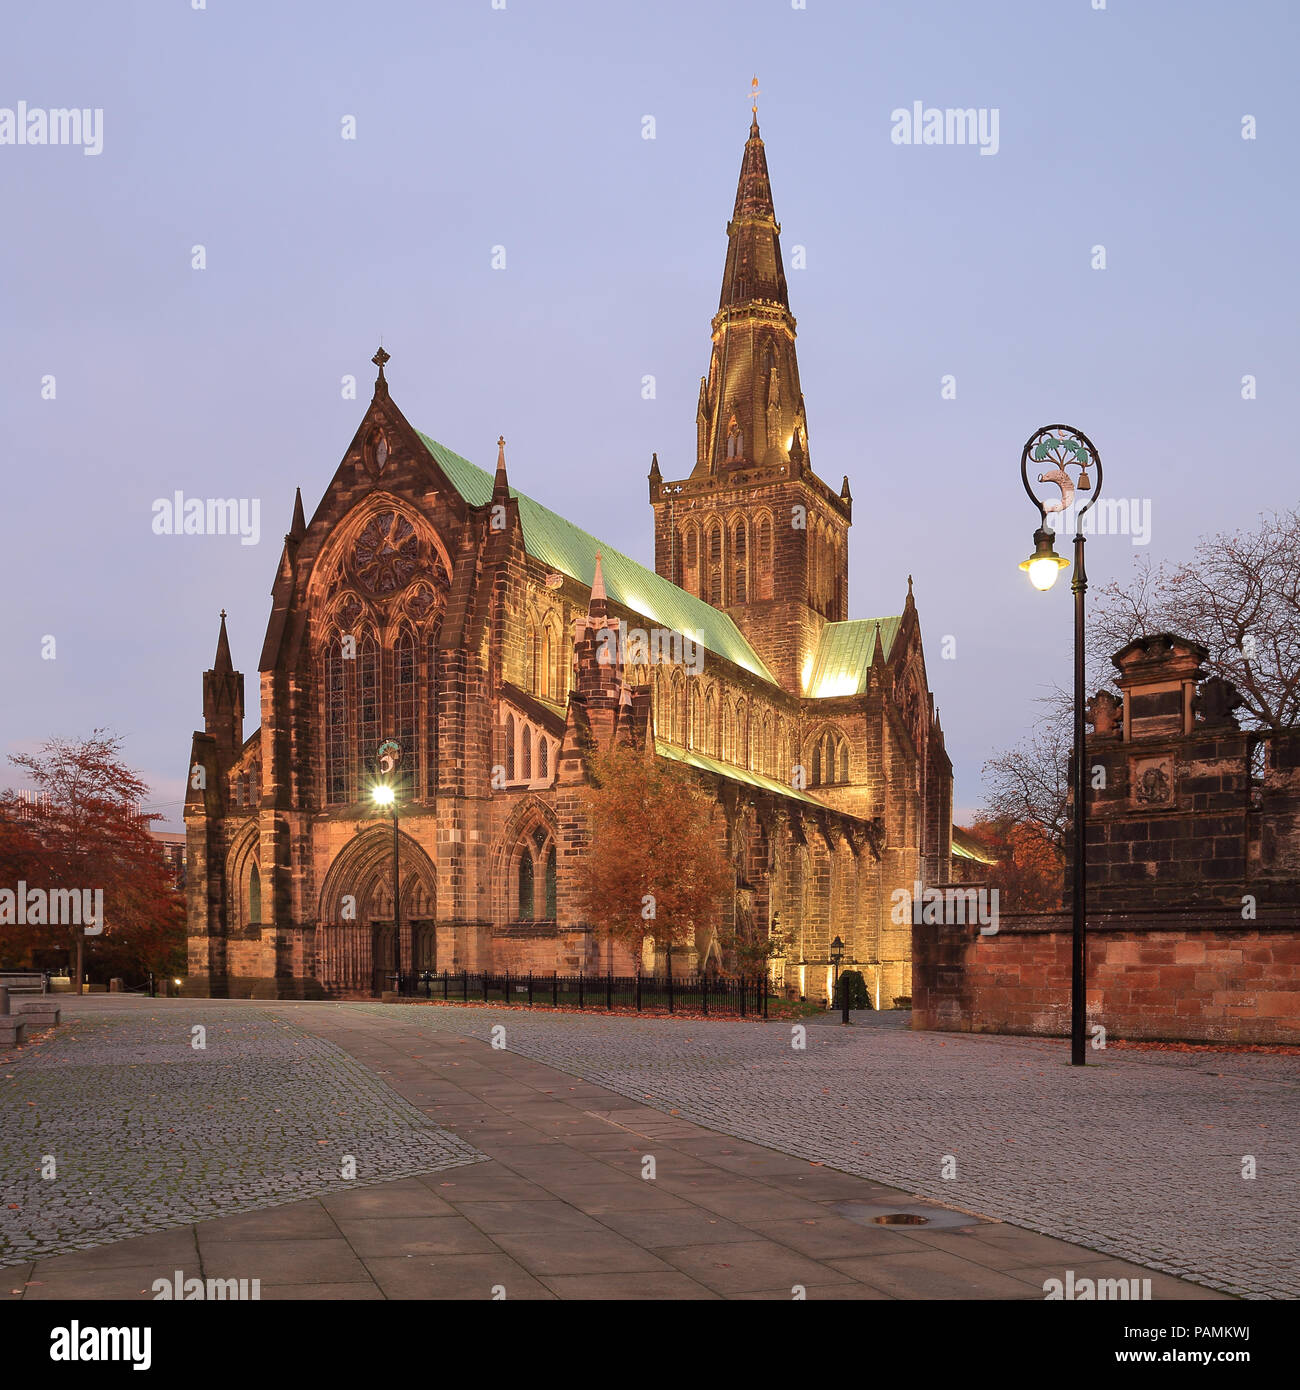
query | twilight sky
[521, 126]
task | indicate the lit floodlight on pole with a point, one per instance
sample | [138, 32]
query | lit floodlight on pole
[1057, 449]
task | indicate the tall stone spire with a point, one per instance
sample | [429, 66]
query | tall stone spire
[222, 664]
[751, 404]
[223, 700]
[298, 526]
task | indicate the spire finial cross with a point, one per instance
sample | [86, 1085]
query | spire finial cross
[379, 359]
[753, 96]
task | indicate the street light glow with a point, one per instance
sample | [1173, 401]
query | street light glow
[1044, 564]
[1043, 570]
[382, 796]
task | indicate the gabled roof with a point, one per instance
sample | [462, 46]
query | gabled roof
[565, 547]
[843, 656]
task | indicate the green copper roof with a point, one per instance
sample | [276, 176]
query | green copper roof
[966, 846]
[844, 656]
[736, 774]
[564, 547]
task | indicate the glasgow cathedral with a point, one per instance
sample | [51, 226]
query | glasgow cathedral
[428, 604]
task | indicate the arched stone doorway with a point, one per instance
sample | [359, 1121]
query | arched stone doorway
[357, 945]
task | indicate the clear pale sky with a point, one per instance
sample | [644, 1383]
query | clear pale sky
[522, 127]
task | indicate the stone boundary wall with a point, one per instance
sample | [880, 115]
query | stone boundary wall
[1193, 975]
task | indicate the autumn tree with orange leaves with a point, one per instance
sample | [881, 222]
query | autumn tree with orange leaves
[655, 865]
[87, 833]
[1030, 870]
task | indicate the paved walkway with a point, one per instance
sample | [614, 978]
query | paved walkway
[544, 1193]
[1139, 1155]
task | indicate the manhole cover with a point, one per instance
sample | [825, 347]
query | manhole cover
[909, 1214]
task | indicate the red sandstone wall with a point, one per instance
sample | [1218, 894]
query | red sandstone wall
[1190, 979]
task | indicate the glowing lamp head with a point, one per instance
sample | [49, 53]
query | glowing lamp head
[1044, 564]
[382, 796]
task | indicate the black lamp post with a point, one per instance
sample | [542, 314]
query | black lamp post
[1063, 447]
[837, 955]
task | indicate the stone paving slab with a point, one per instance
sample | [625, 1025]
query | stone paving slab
[1138, 1156]
[545, 1215]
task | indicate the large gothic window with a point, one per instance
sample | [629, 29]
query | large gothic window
[739, 564]
[378, 658]
[254, 896]
[830, 759]
[535, 877]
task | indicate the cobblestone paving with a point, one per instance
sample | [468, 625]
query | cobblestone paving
[148, 1133]
[1140, 1155]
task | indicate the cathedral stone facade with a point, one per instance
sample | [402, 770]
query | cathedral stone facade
[430, 605]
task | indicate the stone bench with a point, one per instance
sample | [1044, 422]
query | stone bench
[13, 1030]
[40, 1013]
[23, 981]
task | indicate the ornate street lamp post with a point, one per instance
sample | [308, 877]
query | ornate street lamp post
[837, 955]
[1062, 447]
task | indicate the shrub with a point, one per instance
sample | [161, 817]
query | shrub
[852, 983]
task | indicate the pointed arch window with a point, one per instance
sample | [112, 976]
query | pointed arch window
[763, 559]
[691, 555]
[368, 727]
[551, 877]
[543, 759]
[710, 725]
[525, 878]
[336, 723]
[510, 748]
[526, 771]
[254, 896]
[739, 564]
[405, 704]
[547, 664]
[531, 658]
[431, 719]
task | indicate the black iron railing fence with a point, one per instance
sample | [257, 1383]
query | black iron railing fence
[742, 996]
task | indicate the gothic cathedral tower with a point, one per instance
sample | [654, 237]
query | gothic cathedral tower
[753, 530]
